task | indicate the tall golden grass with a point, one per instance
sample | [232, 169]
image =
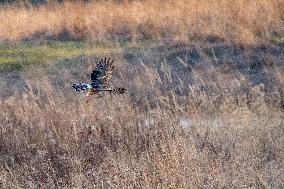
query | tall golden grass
[181, 20]
[178, 127]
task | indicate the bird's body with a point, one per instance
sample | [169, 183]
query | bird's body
[100, 78]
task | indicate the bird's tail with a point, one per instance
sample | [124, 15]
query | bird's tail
[119, 90]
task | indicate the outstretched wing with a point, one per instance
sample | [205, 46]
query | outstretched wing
[102, 72]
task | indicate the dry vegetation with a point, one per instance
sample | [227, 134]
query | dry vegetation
[207, 114]
[208, 125]
[244, 21]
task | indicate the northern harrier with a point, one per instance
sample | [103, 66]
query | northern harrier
[100, 78]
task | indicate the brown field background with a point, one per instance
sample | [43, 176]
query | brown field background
[206, 125]
[244, 21]
[203, 109]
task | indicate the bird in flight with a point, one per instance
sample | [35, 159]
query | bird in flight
[100, 80]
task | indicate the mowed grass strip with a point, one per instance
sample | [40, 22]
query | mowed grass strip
[21, 54]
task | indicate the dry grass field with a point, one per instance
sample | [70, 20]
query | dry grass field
[204, 106]
[245, 21]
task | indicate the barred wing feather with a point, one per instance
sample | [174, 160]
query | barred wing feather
[102, 72]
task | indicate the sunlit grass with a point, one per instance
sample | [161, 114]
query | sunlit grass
[247, 21]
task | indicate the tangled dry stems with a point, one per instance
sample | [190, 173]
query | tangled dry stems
[156, 136]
